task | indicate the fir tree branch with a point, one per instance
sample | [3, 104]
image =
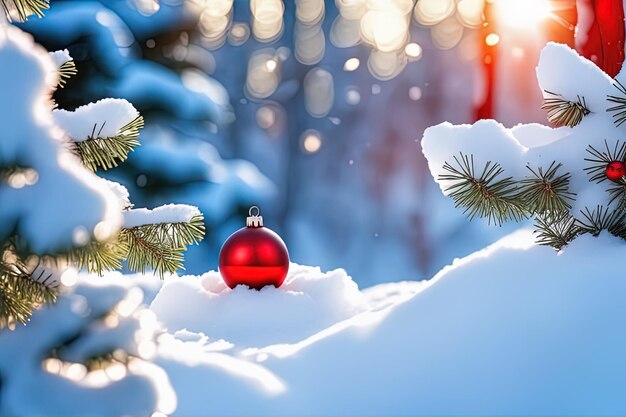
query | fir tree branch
[546, 192]
[21, 292]
[486, 195]
[98, 152]
[98, 257]
[556, 229]
[563, 112]
[619, 109]
[600, 159]
[144, 250]
[160, 246]
[602, 218]
[66, 71]
[24, 8]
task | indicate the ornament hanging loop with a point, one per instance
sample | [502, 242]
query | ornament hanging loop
[254, 220]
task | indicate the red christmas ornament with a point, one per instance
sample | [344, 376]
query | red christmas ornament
[254, 256]
[615, 171]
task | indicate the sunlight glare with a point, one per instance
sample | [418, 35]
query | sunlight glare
[522, 14]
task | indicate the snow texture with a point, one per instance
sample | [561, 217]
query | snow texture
[169, 213]
[87, 121]
[480, 338]
[66, 388]
[60, 57]
[59, 188]
[537, 146]
[497, 340]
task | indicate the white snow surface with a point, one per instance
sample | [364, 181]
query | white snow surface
[60, 57]
[514, 329]
[168, 213]
[534, 145]
[62, 197]
[103, 119]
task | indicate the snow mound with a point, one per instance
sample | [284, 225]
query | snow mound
[545, 337]
[306, 303]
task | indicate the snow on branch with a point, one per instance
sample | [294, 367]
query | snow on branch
[65, 64]
[103, 132]
[169, 213]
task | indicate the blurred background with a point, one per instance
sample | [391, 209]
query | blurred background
[314, 110]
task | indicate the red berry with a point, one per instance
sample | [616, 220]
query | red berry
[615, 170]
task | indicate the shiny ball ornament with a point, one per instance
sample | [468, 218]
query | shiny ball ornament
[615, 171]
[254, 256]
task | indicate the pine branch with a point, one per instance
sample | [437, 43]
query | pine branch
[98, 152]
[21, 293]
[556, 229]
[617, 193]
[144, 250]
[563, 112]
[619, 109]
[98, 257]
[595, 221]
[600, 159]
[546, 192]
[486, 195]
[24, 8]
[160, 246]
[66, 71]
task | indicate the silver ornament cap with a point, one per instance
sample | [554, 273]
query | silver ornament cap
[254, 220]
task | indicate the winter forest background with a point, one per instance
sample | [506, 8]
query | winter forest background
[290, 109]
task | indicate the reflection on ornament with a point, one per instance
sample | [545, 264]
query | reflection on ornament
[254, 256]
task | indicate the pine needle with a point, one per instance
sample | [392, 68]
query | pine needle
[563, 112]
[546, 192]
[24, 8]
[160, 246]
[21, 293]
[98, 152]
[619, 110]
[556, 229]
[600, 159]
[595, 221]
[486, 195]
[66, 71]
[98, 257]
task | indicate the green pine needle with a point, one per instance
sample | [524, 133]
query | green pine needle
[556, 229]
[98, 257]
[486, 195]
[563, 112]
[25, 8]
[21, 293]
[98, 152]
[599, 160]
[546, 192]
[602, 218]
[619, 110]
[66, 71]
[160, 246]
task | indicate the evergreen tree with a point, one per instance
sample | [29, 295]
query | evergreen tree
[56, 215]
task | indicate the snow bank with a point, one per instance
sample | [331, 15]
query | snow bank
[306, 303]
[534, 145]
[511, 330]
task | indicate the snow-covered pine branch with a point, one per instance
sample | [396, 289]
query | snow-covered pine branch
[543, 172]
[65, 64]
[103, 133]
[157, 238]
